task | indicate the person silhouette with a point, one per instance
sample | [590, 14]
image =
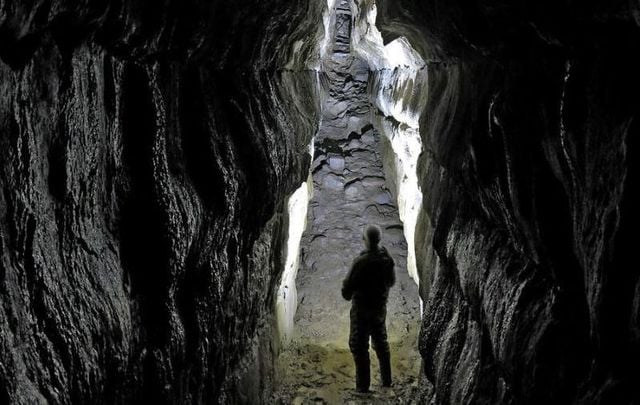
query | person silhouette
[367, 287]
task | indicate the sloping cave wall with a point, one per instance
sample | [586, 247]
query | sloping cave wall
[530, 138]
[146, 151]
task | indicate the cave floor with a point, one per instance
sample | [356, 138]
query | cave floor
[349, 192]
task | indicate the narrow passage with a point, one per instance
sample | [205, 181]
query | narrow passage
[349, 193]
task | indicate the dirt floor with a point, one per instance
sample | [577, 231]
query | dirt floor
[317, 367]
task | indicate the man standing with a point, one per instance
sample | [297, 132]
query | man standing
[367, 286]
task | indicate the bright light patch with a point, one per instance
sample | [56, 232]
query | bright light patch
[400, 53]
[396, 54]
[407, 146]
[395, 93]
[287, 300]
[368, 44]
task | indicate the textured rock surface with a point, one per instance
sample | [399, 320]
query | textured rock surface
[524, 244]
[146, 151]
[349, 192]
[397, 87]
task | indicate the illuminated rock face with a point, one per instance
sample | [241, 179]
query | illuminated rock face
[350, 192]
[524, 241]
[398, 94]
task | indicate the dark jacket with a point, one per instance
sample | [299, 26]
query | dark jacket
[369, 279]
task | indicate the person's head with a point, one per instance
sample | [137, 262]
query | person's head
[371, 236]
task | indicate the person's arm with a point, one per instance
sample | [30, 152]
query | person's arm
[391, 275]
[347, 284]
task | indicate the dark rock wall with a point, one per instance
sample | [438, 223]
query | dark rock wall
[146, 150]
[529, 164]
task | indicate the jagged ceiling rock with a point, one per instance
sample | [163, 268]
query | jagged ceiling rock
[253, 33]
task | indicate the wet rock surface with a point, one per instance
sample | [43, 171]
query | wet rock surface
[145, 156]
[524, 244]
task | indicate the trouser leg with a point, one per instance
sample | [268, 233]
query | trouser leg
[381, 346]
[359, 345]
[363, 371]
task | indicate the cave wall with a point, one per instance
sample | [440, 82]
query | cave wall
[147, 150]
[397, 94]
[529, 160]
[146, 153]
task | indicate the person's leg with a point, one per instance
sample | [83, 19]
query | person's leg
[359, 345]
[381, 346]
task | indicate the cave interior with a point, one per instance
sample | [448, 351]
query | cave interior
[184, 184]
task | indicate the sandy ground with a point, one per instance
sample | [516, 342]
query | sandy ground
[317, 367]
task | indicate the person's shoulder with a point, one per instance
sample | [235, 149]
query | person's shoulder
[385, 254]
[383, 250]
[361, 256]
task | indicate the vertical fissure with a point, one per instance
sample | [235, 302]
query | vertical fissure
[363, 172]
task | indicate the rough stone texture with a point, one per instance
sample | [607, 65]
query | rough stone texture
[145, 155]
[147, 148]
[342, 42]
[349, 192]
[524, 244]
